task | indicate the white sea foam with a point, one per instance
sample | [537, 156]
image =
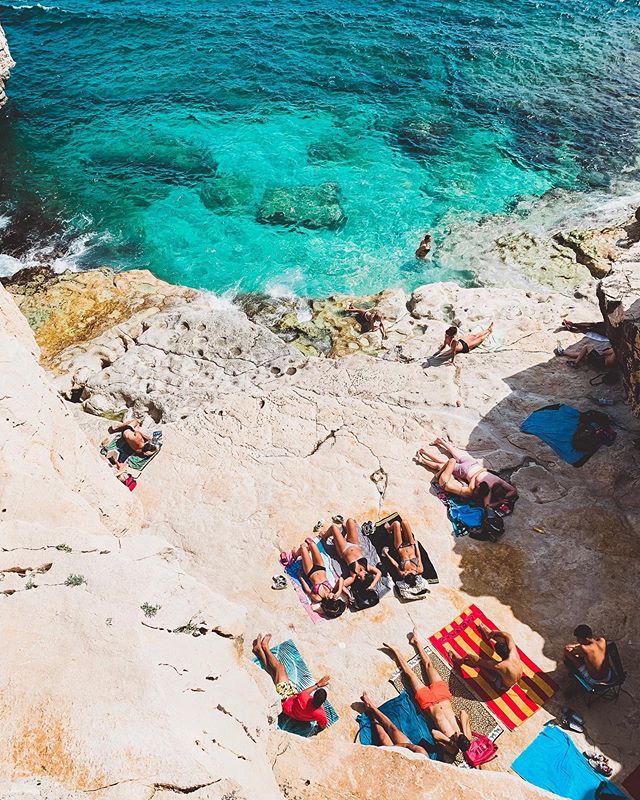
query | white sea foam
[9, 265]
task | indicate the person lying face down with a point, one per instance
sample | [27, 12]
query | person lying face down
[315, 584]
[506, 672]
[305, 705]
[589, 656]
[465, 476]
[453, 734]
[363, 577]
[461, 344]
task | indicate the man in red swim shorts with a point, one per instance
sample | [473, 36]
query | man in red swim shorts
[453, 734]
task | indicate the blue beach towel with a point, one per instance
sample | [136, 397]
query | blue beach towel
[404, 715]
[300, 676]
[464, 517]
[553, 762]
[556, 425]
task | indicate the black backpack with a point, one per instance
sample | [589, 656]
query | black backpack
[492, 527]
[594, 429]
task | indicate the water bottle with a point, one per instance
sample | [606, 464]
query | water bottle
[602, 401]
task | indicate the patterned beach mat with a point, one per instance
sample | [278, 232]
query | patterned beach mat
[517, 704]
[300, 676]
[481, 719]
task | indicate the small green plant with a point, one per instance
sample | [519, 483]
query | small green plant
[64, 547]
[30, 584]
[149, 610]
[75, 580]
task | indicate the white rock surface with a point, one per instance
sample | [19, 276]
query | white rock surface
[259, 444]
[6, 65]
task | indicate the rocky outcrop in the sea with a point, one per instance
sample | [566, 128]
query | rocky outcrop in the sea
[6, 65]
[619, 296]
[313, 207]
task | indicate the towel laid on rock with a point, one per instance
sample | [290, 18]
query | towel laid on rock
[404, 715]
[553, 763]
[383, 586]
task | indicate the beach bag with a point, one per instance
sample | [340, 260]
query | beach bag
[416, 592]
[594, 429]
[481, 751]
[492, 527]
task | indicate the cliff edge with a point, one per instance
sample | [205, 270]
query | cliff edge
[6, 65]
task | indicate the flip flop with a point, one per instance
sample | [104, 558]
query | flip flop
[338, 519]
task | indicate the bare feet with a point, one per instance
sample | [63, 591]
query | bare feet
[257, 645]
[413, 638]
[266, 640]
[391, 648]
[483, 630]
[437, 442]
[456, 660]
[366, 700]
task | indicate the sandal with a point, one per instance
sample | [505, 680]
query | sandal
[317, 526]
[279, 582]
[599, 763]
[338, 519]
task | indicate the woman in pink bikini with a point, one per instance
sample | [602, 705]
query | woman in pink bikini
[313, 579]
[465, 476]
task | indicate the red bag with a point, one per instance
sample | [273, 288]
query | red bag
[481, 750]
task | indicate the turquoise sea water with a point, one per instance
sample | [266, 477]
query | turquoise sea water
[144, 133]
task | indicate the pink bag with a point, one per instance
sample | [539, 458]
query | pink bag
[481, 750]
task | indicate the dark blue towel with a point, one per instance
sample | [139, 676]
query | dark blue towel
[404, 715]
[556, 425]
[553, 762]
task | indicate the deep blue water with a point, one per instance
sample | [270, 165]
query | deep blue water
[152, 129]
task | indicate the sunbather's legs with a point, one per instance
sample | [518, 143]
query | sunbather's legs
[413, 680]
[307, 560]
[433, 676]
[476, 339]
[351, 528]
[429, 460]
[387, 732]
[340, 542]
[459, 455]
[407, 533]
[274, 667]
[396, 532]
[316, 555]
[381, 737]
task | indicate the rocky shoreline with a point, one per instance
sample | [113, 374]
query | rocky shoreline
[6, 65]
[270, 422]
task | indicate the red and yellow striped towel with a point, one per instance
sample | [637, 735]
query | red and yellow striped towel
[517, 704]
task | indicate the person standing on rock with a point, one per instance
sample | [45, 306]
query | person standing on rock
[506, 672]
[305, 705]
[424, 247]
[462, 345]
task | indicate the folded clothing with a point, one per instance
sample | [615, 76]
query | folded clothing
[553, 763]
[404, 715]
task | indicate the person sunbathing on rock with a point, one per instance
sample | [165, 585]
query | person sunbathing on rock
[305, 705]
[462, 345]
[467, 477]
[598, 359]
[137, 441]
[313, 580]
[362, 575]
[585, 327]
[370, 319]
[589, 656]
[504, 673]
[404, 543]
[385, 732]
[452, 734]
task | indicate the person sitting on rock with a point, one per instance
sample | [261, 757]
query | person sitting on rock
[305, 705]
[385, 733]
[466, 476]
[504, 673]
[370, 319]
[410, 566]
[598, 359]
[462, 345]
[313, 580]
[452, 734]
[362, 575]
[424, 247]
[588, 656]
[585, 327]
